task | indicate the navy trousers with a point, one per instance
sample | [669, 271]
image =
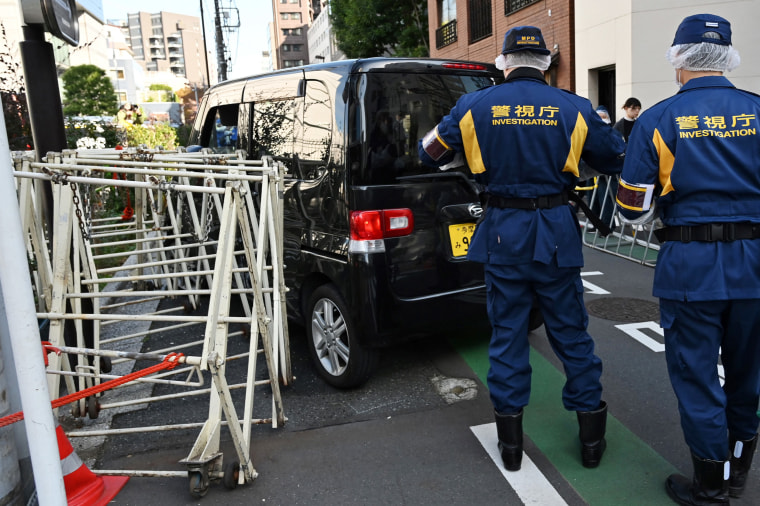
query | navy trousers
[695, 334]
[559, 291]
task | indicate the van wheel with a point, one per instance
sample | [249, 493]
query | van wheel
[333, 346]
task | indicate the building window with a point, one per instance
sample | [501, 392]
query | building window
[292, 63]
[119, 73]
[480, 19]
[122, 96]
[511, 6]
[296, 16]
[445, 35]
[447, 11]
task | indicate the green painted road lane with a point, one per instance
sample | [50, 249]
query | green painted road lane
[631, 473]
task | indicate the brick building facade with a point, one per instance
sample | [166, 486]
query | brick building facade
[474, 30]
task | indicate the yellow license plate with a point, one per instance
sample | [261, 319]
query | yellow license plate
[460, 235]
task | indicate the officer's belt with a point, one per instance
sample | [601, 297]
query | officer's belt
[547, 202]
[542, 202]
[709, 232]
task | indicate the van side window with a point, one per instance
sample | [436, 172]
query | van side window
[272, 130]
[397, 109]
[220, 131]
[314, 132]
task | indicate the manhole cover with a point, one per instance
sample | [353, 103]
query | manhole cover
[624, 310]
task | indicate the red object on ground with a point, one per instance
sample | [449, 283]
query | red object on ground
[83, 487]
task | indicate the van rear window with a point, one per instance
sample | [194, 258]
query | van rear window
[398, 110]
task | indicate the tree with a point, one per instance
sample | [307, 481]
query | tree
[13, 97]
[366, 28]
[88, 91]
[163, 92]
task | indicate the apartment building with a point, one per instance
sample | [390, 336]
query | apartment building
[474, 30]
[606, 51]
[166, 42]
[321, 41]
[290, 24]
[620, 47]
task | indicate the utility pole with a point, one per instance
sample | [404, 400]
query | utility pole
[220, 56]
[205, 48]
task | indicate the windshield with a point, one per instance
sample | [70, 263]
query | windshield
[398, 110]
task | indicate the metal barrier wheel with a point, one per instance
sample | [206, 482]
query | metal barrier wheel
[231, 474]
[198, 483]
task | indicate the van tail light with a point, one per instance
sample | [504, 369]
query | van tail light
[464, 66]
[369, 228]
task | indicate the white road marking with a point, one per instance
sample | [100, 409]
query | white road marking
[591, 288]
[530, 485]
[634, 330]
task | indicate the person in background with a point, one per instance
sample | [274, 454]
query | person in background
[632, 109]
[129, 114]
[523, 140]
[697, 154]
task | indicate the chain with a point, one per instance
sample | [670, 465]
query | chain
[87, 204]
[209, 219]
[78, 211]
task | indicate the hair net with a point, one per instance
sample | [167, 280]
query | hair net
[703, 56]
[523, 59]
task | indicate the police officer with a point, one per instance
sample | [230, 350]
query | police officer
[698, 154]
[524, 139]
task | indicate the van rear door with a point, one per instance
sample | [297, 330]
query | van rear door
[393, 110]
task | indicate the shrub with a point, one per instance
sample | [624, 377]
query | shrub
[81, 128]
[159, 134]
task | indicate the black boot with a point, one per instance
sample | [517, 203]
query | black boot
[510, 433]
[741, 461]
[709, 486]
[593, 425]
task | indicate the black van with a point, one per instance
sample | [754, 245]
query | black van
[374, 241]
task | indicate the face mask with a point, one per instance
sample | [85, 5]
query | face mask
[678, 78]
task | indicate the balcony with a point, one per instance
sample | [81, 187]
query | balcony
[445, 35]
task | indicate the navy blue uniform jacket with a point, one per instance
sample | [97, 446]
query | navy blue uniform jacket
[701, 150]
[524, 138]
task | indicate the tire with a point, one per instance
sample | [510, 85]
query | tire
[333, 346]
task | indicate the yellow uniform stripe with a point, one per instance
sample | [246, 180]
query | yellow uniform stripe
[666, 162]
[441, 140]
[471, 146]
[577, 139]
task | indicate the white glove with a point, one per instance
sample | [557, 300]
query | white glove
[458, 161]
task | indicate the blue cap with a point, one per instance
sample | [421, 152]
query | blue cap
[524, 38]
[603, 109]
[692, 30]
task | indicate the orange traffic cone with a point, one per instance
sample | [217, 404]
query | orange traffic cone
[83, 487]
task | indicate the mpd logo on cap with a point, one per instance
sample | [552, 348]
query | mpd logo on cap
[692, 30]
[524, 38]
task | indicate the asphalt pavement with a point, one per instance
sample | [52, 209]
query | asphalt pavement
[421, 430]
